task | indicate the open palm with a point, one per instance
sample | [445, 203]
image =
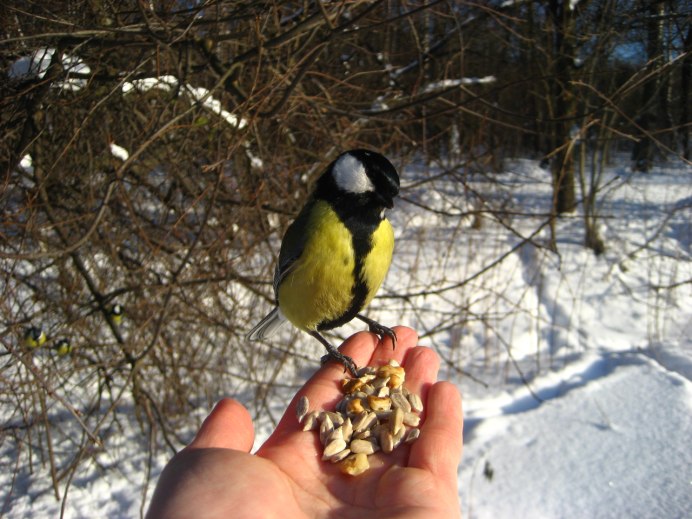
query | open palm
[215, 476]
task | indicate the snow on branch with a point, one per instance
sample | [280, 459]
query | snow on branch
[168, 83]
[452, 83]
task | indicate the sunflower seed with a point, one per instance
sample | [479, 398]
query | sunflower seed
[336, 434]
[364, 421]
[386, 441]
[338, 456]
[364, 446]
[396, 421]
[411, 435]
[333, 447]
[416, 402]
[336, 418]
[302, 408]
[347, 429]
[310, 422]
[412, 420]
[326, 428]
[399, 401]
[383, 391]
[376, 412]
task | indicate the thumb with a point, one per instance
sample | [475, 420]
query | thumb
[228, 426]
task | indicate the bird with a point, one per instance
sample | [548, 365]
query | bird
[116, 313]
[34, 337]
[63, 347]
[336, 253]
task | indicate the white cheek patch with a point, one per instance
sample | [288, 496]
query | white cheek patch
[349, 174]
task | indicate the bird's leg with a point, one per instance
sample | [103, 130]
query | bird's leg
[379, 329]
[334, 354]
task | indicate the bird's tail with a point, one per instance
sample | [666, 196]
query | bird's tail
[267, 326]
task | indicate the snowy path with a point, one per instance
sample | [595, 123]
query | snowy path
[613, 440]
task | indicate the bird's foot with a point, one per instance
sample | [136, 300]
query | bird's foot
[379, 329]
[336, 355]
[343, 359]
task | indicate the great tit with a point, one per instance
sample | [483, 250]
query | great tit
[63, 347]
[337, 252]
[34, 337]
[116, 313]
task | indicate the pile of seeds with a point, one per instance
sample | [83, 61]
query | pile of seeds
[376, 413]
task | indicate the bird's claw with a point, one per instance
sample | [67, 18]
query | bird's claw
[342, 359]
[383, 332]
[379, 329]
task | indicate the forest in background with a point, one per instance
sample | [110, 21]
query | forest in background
[153, 152]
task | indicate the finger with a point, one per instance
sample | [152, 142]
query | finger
[228, 426]
[438, 449]
[406, 340]
[421, 365]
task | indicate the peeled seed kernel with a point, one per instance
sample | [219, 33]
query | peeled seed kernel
[355, 406]
[395, 381]
[388, 371]
[355, 464]
[351, 385]
[377, 403]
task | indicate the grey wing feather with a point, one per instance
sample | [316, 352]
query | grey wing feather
[267, 326]
[292, 247]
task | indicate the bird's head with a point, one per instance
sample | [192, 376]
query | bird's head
[361, 175]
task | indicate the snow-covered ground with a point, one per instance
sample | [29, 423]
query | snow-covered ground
[576, 370]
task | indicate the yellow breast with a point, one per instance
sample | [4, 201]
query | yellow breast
[320, 285]
[377, 262]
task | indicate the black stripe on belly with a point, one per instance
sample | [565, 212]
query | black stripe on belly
[362, 228]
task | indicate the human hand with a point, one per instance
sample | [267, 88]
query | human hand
[215, 476]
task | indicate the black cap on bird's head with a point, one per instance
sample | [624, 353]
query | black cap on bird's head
[363, 173]
[33, 333]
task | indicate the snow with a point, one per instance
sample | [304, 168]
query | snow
[119, 152]
[168, 83]
[35, 65]
[451, 83]
[612, 440]
[576, 370]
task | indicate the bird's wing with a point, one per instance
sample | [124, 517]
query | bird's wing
[292, 246]
[267, 326]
